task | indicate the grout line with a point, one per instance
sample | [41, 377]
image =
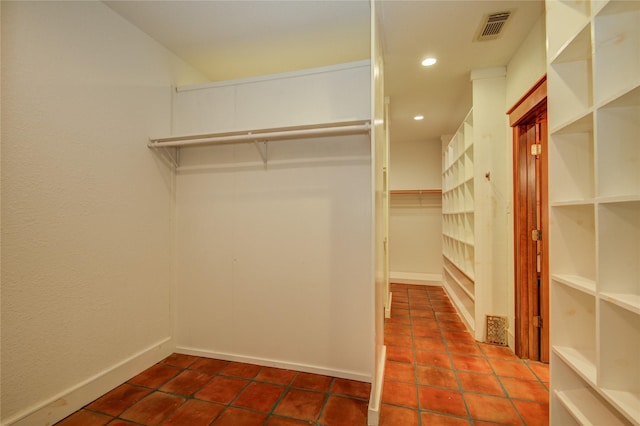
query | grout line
[448, 351]
[481, 355]
[415, 361]
[417, 294]
[326, 401]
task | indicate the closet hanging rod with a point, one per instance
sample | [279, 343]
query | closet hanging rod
[415, 191]
[329, 129]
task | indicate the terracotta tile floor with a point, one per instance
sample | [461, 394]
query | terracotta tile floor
[192, 391]
[436, 374]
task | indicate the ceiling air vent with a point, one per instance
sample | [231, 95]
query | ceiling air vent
[492, 26]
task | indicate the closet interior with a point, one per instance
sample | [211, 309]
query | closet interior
[248, 156]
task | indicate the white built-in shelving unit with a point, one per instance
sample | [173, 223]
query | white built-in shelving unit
[469, 204]
[458, 244]
[594, 193]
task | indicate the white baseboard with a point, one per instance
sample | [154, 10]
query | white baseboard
[76, 397]
[375, 399]
[465, 316]
[415, 278]
[343, 374]
[511, 339]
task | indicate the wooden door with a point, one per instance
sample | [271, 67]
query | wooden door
[529, 122]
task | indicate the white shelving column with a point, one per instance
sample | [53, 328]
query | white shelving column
[458, 221]
[594, 193]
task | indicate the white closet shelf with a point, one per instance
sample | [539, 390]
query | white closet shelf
[581, 361]
[338, 128]
[630, 302]
[585, 407]
[579, 283]
[627, 402]
[576, 202]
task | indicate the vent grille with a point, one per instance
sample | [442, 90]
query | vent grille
[492, 26]
[497, 330]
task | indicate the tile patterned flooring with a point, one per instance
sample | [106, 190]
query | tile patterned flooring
[436, 374]
[193, 391]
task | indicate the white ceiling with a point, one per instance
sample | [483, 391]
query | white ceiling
[236, 39]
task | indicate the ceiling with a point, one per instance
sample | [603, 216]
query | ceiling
[237, 39]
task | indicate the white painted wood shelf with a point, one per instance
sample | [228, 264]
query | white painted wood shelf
[594, 192]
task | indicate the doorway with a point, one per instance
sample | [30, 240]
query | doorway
[528, 118]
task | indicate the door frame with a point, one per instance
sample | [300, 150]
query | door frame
[533, 103]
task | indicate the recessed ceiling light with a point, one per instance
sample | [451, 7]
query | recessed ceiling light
[418, 117]
[428, 62]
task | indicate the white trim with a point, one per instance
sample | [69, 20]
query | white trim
[343, 374]
[375, 399]
[278, 76]
[465, 316]
[511, 339]
[387, 309]
[415, 278]
[72, 399]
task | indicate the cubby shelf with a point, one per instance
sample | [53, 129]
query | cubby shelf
[594, 216]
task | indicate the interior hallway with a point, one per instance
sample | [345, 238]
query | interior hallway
[436, 374]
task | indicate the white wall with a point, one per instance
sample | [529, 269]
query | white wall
[415, 221]
[274, 264]
[86, 206]
[491, 201]
[415, 164]
[528, 64]
[526, 67]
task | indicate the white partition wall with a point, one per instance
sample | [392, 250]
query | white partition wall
[379, 209]
[273, 259]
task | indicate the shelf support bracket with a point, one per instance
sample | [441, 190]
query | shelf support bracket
[263, 151]
[174, 155]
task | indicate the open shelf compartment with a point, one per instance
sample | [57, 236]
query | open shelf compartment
[571, 162]
[566, 18]
[573, 336]
[576, 402]
[619, 232]
[570, 77]
[618, 146]
[616, 41]
[619, 373]
[572, 229]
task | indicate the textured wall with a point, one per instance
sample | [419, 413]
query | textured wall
[86, 206]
